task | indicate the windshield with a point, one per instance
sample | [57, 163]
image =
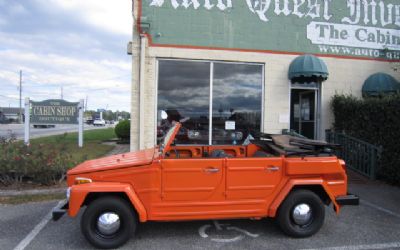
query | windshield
[167, 137]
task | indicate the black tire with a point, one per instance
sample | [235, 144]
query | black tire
[108, 204]
[286, 220]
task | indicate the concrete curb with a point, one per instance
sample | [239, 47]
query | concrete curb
[5, 193]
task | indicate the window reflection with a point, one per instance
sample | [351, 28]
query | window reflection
[183, 93]
[237, 100]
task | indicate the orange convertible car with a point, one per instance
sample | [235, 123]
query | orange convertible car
[287, 178]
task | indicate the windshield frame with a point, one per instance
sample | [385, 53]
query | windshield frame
[169, 138]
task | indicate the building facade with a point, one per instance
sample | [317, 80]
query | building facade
[228, 69]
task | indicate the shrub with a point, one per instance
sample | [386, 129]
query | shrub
[377, 121]
[123, 130]
[39, 163]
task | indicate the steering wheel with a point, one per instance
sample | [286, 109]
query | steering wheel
[177, 155]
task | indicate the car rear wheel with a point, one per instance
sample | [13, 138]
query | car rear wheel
[302, 214]
[108, 222]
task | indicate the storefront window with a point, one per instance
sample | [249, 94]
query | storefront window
[184, 95]
[237, 101]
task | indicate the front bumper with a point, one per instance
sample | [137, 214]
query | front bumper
[349, 199]
[60, 210]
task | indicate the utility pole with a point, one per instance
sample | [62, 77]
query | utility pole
[20, 96]
[86, 103]
[62, 92]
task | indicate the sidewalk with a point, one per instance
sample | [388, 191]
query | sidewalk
[375, 193]
[118, 149]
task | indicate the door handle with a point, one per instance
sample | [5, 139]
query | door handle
[211, 170]
[272, 168]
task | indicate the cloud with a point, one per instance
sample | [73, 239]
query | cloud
[17, 9]
[79, 45]
[78, 77]
[104, 14]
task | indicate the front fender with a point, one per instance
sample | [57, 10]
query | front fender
[80, 192]
[302, 182]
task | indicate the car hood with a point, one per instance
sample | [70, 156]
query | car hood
[139, 158]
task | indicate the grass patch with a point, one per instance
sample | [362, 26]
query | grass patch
[92, 147]
[20, 199]
[95, 135]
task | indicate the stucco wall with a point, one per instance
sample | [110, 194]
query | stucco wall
[346, 76]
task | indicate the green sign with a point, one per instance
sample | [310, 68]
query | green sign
[54, 112]
[346, 28]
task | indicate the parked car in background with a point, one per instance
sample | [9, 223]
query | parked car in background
[44, 125]
[89, 121]
[99, 122]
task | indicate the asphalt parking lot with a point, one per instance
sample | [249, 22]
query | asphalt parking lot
[375, 224]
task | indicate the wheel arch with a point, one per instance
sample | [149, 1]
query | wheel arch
[84, 194]
[315, 185]
[317, 189]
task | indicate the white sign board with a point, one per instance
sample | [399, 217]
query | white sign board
[230, 125]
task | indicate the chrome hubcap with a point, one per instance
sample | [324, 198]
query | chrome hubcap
[302, 214]
[108, 223]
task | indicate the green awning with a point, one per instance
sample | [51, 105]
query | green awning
[308, 66]
[380, 83]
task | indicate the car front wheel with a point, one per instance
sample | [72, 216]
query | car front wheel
[108, 222]
[302, 214]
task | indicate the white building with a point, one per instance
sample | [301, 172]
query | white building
[233, 67]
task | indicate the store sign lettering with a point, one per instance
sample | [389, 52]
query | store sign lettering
[339, 25]
[353, 36]
[195, 4]
[368, 12]
[54, 112]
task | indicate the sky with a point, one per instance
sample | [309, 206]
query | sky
[78, 46]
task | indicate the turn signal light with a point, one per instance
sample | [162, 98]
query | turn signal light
[81, 180]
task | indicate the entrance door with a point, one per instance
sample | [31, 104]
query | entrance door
[303, 117]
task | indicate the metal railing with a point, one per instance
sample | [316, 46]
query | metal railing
[359, 155]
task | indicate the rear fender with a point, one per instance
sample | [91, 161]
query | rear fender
[292, 184]
[80, 192]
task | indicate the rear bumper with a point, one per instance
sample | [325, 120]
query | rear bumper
[59, 211]
[349, 199]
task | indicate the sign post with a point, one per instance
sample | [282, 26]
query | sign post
[80, 129]
[27, 121]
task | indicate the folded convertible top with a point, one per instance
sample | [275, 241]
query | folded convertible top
[292, 145]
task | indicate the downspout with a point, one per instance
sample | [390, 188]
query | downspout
[135, 88]
[138, 78]
[141, 89]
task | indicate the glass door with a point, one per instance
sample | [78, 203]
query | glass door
[304, 115]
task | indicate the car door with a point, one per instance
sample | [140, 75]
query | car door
[252, 178]
[192, 179]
